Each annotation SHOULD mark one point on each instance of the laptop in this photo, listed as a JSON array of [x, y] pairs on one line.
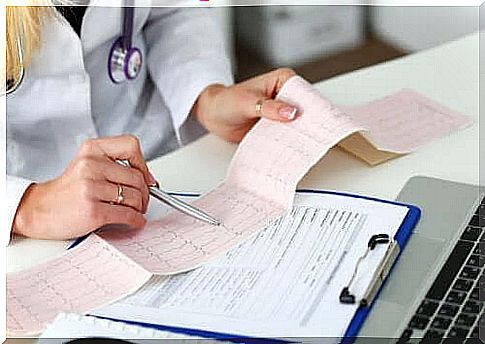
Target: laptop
[[437, 289]]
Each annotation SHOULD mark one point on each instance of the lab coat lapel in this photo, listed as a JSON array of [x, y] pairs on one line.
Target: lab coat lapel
[[39, 129]]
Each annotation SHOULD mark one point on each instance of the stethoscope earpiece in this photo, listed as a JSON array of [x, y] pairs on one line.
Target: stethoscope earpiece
[[125, 61]]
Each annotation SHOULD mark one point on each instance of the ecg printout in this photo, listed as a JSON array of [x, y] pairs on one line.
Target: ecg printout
[[259, 188], [266, 168], [78, 282], [282, 277], [404, 121]]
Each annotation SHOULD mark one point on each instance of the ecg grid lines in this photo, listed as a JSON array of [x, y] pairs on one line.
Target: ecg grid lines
[[77, 282], [255, 191], [404, 121], [285, 153], [177, 243]]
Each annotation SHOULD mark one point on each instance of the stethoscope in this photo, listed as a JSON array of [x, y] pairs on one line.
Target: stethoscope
[[124, 61]]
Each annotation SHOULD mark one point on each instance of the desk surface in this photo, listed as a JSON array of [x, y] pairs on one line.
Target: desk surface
[[448, 74]]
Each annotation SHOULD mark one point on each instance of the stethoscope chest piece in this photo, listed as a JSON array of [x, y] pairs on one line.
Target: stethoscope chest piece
[[125, 60], [124, 63]]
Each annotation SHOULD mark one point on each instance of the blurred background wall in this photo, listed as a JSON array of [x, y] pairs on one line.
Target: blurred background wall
[[320, 42]]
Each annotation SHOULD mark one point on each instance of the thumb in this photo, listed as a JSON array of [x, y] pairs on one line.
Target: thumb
[[278, 111]]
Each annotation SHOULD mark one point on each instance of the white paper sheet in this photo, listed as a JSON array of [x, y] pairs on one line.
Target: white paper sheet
[[69, 326]]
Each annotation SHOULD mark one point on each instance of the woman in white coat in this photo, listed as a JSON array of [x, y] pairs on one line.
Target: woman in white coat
[[67, 121]]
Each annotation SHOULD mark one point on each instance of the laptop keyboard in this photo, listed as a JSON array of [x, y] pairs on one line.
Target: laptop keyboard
[[454, 305]]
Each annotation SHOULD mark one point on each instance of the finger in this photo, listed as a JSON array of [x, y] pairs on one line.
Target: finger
[[128, 176], [125, 147], [276, 79], [270, 83], [277, 111], [133, 198], [118, 214]]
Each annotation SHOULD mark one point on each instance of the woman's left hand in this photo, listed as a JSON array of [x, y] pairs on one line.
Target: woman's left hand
[[230, 112]]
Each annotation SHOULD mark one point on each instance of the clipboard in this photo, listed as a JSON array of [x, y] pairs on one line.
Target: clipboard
[[401, 238], [399, 241]]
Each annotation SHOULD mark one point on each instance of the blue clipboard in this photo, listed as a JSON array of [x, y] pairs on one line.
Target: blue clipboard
[[401, 237]]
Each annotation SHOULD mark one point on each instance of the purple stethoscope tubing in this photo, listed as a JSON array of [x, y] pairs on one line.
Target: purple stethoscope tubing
[[125, 61], [129, 17]]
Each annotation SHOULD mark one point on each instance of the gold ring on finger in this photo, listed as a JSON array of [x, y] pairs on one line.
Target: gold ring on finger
[[259, 108], [120, 198]]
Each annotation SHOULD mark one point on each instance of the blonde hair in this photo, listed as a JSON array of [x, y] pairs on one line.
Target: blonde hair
[[24, 26]]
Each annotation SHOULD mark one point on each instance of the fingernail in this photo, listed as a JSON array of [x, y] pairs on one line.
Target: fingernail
[[153, 181], [154, 185], [288, 112]]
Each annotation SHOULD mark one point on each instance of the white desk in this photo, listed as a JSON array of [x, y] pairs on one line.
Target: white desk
[[448, 74]]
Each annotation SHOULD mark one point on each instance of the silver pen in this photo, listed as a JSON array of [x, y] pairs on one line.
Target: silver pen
[[175, 203], [181, 206]]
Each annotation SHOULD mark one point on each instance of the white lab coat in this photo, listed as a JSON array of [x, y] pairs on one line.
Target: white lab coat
[[67, 96]]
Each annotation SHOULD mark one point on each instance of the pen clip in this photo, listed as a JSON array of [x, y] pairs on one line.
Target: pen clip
[[123, 162], [346, 296]]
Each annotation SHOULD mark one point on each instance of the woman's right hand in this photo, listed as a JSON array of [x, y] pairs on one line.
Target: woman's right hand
[[83, 198]]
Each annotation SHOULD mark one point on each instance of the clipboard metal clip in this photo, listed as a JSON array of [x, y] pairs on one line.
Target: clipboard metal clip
[[380, 274]]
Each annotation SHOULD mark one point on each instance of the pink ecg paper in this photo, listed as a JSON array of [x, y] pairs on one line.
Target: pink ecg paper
[[404, 121], [86, 277], [259, 187]]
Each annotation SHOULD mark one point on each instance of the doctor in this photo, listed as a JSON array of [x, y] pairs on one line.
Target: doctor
[[89, 85]]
